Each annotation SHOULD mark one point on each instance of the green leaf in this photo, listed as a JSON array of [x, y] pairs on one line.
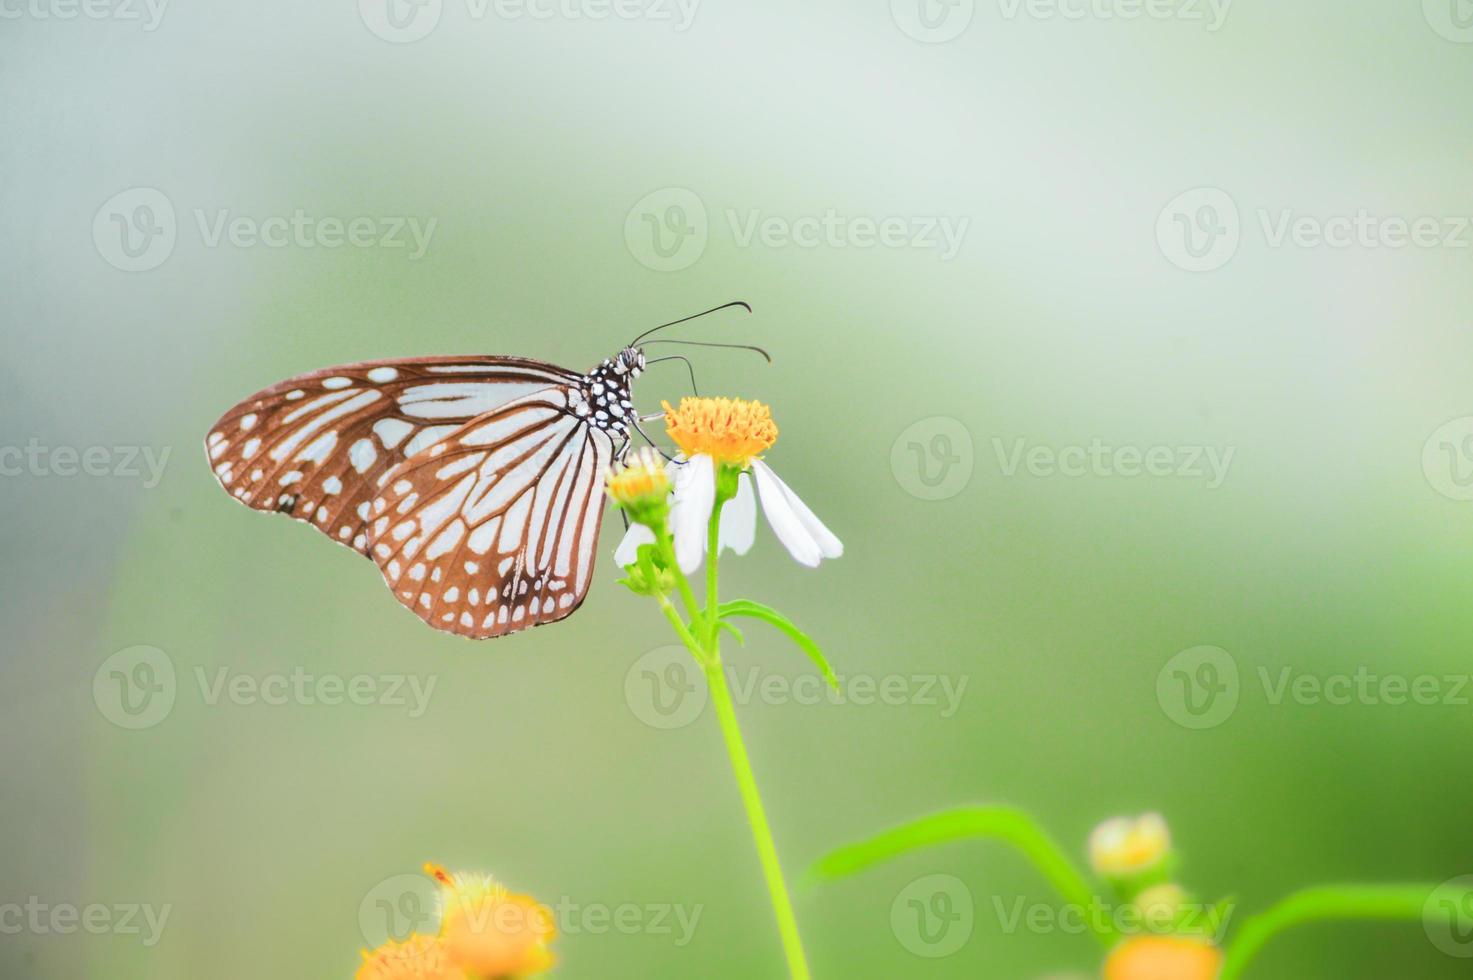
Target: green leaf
[[755, 610], [1416, 902], [997, 823], [723, 624]]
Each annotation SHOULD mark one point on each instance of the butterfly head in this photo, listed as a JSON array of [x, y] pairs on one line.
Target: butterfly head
[[629, 361]]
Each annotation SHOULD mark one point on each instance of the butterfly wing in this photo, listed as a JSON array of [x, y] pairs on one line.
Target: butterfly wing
[[319, 446], [494, 528]]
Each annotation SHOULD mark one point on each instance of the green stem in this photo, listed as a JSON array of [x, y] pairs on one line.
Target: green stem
[[702, 636], [1340, 902], [782, 904], [667, 550], [998, 823]]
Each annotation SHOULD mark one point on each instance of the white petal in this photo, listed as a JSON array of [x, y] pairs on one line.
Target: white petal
[[628, 551], [739, 518], [690, 513], [803, 534]]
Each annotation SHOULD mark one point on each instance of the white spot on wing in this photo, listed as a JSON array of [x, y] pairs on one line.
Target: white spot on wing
[[382, 374], [391, 432], [362, 454]]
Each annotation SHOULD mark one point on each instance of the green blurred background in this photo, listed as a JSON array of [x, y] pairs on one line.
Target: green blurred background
[[548, 151]]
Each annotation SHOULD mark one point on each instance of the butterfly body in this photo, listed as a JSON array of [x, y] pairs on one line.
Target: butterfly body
[[474, 483]]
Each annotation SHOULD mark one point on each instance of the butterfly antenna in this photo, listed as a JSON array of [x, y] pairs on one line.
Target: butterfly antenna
[[711, 343], [688, 367], [715, 309]]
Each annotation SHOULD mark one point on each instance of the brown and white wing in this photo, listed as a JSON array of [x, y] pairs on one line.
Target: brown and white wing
[[319, 446], [494, 528]]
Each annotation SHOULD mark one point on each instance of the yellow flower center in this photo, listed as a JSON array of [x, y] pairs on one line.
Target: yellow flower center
[[420, 957], [640, 479], [729, 430]]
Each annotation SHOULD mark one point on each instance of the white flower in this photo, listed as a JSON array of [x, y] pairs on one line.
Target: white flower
[[694, 497]]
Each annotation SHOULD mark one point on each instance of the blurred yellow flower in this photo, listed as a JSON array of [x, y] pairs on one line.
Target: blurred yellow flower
[[1125, 846], [419, 957], [489, 931], [1162, 958]]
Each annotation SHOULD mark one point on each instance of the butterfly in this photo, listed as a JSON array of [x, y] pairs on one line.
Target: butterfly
[[474, 483]]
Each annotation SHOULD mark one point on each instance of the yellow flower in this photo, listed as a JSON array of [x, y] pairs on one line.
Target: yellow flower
[[419, 957], [1124, 846], [729, 430], [640, 480], [1163, 958], [719, 440], [489, 931]]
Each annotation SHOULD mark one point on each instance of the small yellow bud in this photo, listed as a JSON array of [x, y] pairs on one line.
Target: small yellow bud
[[1124, 846]]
